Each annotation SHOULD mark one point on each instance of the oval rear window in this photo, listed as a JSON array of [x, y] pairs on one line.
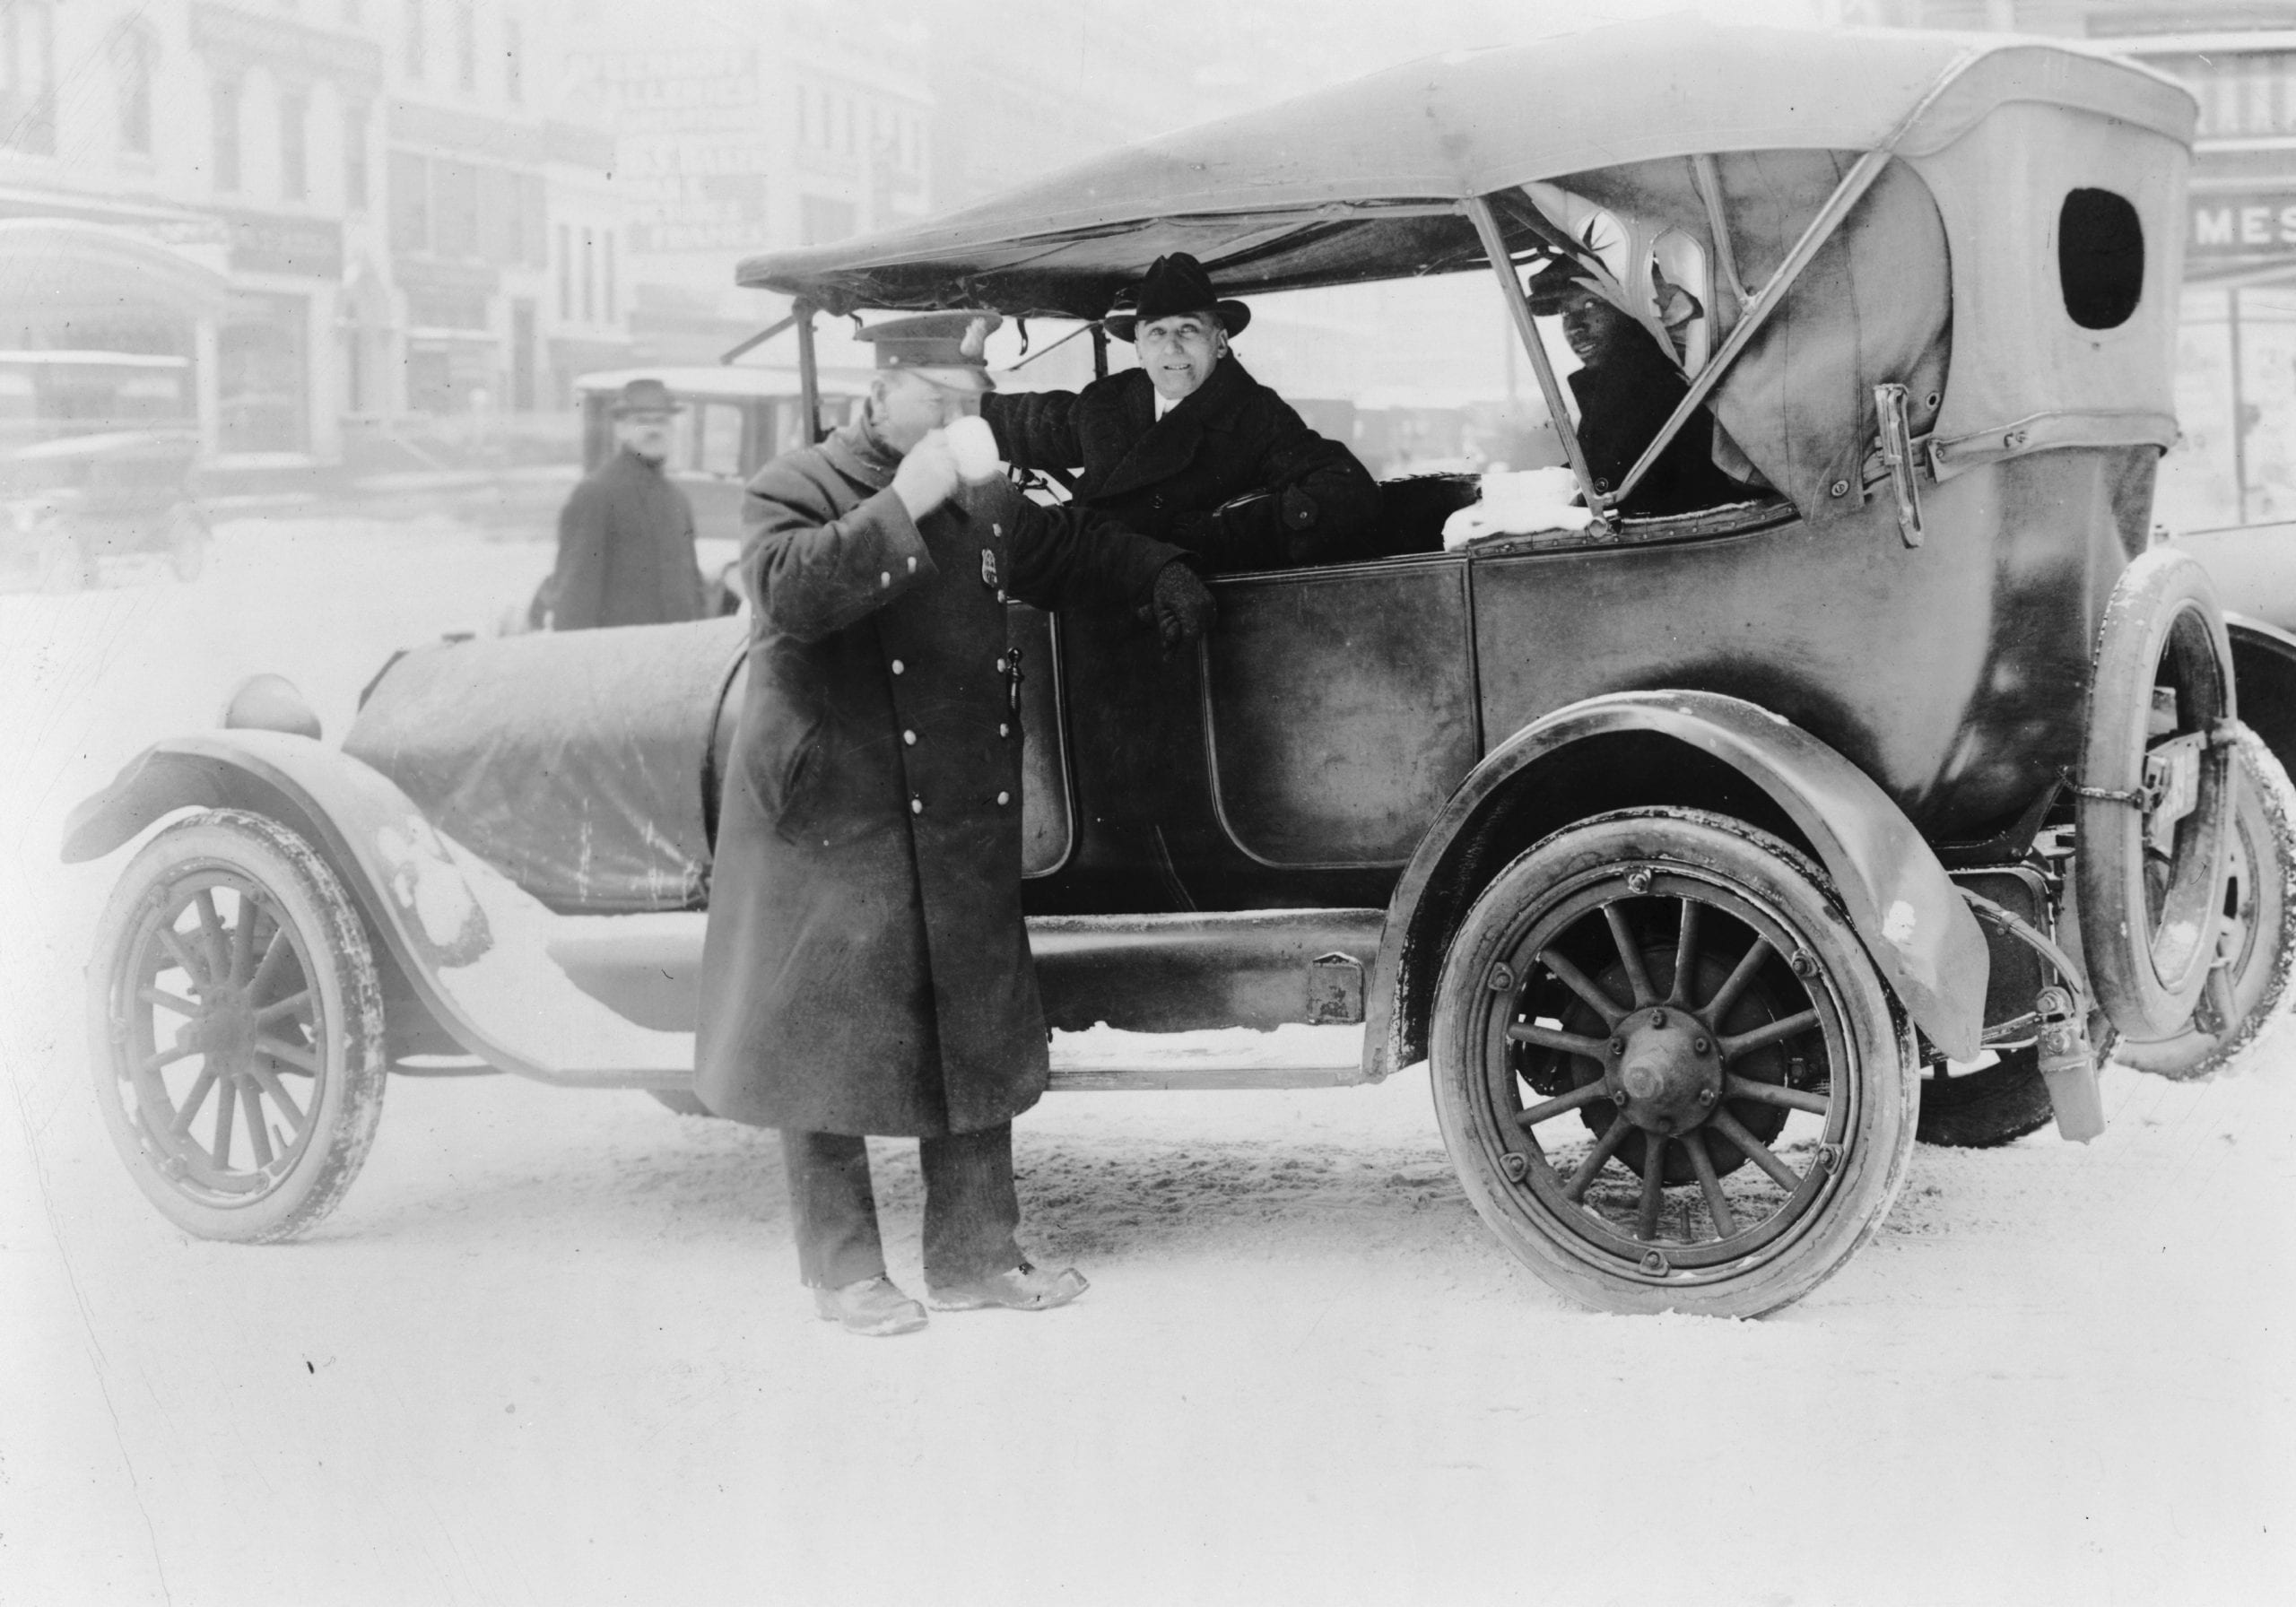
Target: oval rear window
[[2100, 258]]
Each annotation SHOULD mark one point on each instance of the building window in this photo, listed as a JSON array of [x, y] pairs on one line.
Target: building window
[[225, 98], [514, 58], [416, 45], [454, 209], [565, 274], [133, 53], [294, 148], [605, 268], [410, 202], [355, 156], [466, 45], [27, 76], [589, 276]]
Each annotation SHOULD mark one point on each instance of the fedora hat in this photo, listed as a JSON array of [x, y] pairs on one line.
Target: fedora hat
[[1172, 286], [644, 396]]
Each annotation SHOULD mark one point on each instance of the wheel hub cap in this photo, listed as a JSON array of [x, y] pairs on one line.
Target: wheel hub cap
[[1664, 1070]]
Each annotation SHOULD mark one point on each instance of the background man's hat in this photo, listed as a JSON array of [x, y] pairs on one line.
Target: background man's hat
[[1556, 282], [1173, 285], [644, 396], [950, 348]]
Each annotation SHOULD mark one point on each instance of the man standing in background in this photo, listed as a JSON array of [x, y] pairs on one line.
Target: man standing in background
[[625, 537]]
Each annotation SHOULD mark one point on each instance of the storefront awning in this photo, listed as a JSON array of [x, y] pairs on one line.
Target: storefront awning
[[58, 269]]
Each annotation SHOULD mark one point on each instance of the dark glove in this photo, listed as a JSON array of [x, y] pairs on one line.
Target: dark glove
[[1183, 606]]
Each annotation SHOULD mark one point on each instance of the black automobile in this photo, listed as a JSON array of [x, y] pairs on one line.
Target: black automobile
[[1706, 859]]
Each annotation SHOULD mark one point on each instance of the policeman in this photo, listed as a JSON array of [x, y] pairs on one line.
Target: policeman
[[866, 968]]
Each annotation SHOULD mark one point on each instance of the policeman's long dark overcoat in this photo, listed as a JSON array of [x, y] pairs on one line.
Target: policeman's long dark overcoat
[[866, 968], [1162, 477], [625, 550]]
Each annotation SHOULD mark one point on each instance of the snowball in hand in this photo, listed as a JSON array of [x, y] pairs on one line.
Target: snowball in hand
[[973, 445]]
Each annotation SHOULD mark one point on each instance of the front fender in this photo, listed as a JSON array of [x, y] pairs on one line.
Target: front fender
[[472, 946], [1914, 924]]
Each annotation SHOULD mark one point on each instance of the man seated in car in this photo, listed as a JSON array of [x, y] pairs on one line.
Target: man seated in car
[[1628, 386], [1188, 448]]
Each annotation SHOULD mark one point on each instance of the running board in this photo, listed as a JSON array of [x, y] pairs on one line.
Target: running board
[[1104, 1060]]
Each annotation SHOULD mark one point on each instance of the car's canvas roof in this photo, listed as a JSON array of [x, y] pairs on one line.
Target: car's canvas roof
[[1355, 182]]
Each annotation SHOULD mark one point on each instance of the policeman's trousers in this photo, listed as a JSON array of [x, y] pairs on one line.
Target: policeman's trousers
[[971, 1208]]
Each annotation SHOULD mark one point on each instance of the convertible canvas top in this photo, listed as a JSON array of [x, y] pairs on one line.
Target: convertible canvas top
[[1943, 271], [1355, 182]]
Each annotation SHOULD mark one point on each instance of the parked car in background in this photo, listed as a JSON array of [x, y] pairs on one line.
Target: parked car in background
[[98, 451], [1707, 859]]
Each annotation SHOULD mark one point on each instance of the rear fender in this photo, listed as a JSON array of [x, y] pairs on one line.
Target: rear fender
[[1691, 749], [440, 914]]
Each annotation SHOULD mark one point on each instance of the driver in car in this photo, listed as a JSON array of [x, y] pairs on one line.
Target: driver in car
[[1188, 448], [1627, 387]]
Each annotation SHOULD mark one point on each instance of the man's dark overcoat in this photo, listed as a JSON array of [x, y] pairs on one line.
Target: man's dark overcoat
[[866, 967], [1164, 477], [1624, 398], [625, 550]]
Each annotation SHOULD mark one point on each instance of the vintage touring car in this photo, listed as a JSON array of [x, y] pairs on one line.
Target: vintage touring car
[[1704, 857]]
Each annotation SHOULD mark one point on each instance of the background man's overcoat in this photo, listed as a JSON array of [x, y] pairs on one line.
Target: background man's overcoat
[[1163, 477], [625, 550], [866, 968]]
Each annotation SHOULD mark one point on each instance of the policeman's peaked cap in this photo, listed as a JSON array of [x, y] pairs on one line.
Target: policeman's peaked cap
[[948, 348]]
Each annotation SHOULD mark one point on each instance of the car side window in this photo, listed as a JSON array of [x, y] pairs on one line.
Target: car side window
[[717, 450]]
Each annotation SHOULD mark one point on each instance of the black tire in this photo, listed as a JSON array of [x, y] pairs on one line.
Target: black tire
[[1531, 1050], [2148, 917], [679, 1100], [1985, 1106], [2260, 900], [230, 957]]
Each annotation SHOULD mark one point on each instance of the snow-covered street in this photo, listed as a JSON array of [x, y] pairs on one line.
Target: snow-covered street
[[552, 1349]]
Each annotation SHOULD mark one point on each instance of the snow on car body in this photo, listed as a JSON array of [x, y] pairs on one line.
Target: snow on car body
[[1659, 838]]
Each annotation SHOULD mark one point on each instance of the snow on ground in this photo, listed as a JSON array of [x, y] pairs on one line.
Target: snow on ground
[[551, 1350]]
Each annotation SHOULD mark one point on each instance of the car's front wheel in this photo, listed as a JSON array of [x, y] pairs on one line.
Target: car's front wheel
[[1667, 1071], [236, 1028]]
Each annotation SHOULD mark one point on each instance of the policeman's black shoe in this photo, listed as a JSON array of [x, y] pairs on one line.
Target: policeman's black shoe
[[1023, 1288], [874, 1307]]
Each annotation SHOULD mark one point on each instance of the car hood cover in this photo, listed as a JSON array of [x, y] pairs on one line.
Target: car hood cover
[[574, 762]]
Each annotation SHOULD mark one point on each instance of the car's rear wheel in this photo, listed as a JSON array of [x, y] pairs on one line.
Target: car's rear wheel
[[1667, 1070], [2259, 932], [237, 1029], [1984, 1105]]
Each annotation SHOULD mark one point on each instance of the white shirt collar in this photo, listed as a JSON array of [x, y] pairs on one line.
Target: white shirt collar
[[1164, 403]]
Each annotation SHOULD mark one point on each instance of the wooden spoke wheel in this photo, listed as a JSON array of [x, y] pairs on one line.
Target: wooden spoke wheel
[[2257, 939], [237, 1029], [1667, 1071]]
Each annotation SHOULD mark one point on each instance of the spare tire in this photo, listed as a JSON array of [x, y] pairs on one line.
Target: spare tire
[[2260, 908], [2155, 795]]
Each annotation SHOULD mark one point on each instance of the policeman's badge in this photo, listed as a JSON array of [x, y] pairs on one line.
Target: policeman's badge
[[988, 566]]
